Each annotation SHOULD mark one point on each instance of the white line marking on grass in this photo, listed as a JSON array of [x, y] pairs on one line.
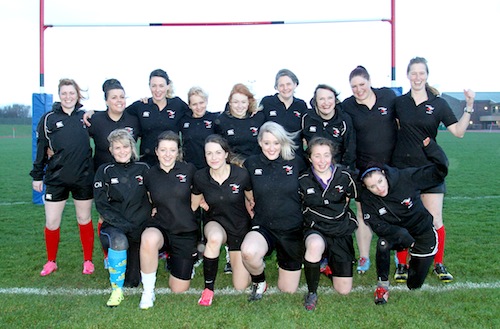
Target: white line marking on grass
[[231, 291], [482, 197]]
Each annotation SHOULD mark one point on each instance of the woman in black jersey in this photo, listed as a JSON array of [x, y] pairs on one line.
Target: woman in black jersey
[[196, 126], [103, 123], [122, 201], [115, 117], [69, 169], [329, 121], [419, 113], [373, 118], [277, 223], [329, 223], [173, 228], [225, 188], [392, 206], [239, 124], [284, 108]]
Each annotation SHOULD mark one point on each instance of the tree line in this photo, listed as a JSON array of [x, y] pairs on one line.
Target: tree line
[[15, 111]]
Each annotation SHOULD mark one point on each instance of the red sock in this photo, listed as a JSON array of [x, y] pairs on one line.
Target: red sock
[[402, 256], [52, 238], [87, 239], [441, 239], [104, 251]]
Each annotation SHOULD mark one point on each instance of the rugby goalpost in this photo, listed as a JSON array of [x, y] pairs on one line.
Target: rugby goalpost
[[42, 102]]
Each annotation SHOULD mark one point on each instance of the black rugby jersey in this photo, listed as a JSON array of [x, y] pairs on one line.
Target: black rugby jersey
[[67, 136], [375, 128], [102, 126]]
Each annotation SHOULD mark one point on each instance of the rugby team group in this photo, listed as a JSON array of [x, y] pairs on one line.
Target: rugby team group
[[277, 175]]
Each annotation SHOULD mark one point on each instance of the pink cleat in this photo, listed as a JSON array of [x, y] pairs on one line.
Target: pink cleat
[[48, 268], [88, 267]]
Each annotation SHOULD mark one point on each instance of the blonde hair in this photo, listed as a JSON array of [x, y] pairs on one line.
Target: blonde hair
[[284, 138], [125, 137]]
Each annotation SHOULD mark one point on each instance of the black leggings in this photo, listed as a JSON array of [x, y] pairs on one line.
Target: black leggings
[[114, 238], [418, 266]]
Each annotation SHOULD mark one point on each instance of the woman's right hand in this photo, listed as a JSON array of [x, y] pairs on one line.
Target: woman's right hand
[[37, 185], [86, 117]]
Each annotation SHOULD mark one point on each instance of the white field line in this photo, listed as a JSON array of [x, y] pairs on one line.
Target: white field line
[[231, 291], [481, 197]]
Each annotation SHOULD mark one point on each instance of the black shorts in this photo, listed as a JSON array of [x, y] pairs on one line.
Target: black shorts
[[289, 246], [234, 242], [182, 251], [54, 193], [425, 244], [339, 252], [441, 188]]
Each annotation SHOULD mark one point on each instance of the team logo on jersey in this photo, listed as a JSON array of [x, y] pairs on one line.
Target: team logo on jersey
[[382, 211], [297, 114], [98, 184], [59, 124], [145, 114], [429, 109], [114, 180], [182, 178], [273, 113], [235, 188], [310, 190], [312, 129], [208, 124], [230, 132], [254, 131], [339, 188], [257, 172], [408, 203], [139, 179], [288, 169], [383, 110], [335, 132], [366, 216], [186, 125], [171, 114]]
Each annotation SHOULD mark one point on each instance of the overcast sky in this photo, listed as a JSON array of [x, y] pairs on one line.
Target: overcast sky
[[459, 41]]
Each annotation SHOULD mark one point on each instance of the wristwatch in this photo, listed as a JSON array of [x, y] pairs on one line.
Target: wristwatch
[[468, 111]]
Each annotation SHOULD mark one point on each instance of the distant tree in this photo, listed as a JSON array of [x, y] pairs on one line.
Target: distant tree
[[15, 111]]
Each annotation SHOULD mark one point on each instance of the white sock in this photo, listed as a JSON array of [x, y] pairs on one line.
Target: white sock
[[148, 281], [227, 254]]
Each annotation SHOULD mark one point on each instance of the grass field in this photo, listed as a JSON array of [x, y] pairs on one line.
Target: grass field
[[68, 299]]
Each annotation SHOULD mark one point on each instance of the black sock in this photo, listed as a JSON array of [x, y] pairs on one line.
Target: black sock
[[311, 271], [210, 266], [258, 278]]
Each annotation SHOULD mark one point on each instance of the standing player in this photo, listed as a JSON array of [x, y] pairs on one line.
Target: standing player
[[225, 188], [420, 112], [329, 222], [69, 169], [277, 223], [392, 206], [122, 201], [241, 122], [284, 108], [373, 118], [326, 120], [173, 228]]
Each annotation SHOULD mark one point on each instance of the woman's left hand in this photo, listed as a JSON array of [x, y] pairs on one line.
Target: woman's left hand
[[470, 95]]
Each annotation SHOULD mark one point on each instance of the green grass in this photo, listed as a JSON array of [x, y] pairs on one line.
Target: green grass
[[68, 299]]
